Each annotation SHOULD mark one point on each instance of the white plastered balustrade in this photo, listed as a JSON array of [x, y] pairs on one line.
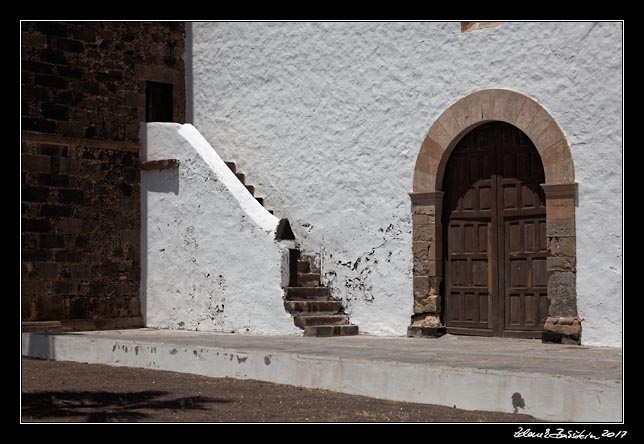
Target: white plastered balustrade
[[210, 260]]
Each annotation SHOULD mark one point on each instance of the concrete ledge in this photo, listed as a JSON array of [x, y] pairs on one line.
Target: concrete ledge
[[41, 326], [575, 384], [66, 325]]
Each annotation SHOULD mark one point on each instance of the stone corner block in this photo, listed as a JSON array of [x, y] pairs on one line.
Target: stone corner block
[[427, 304], [558, 329], [426, 320]]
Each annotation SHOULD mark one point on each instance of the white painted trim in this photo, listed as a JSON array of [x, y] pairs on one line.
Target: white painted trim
[[257, 213]]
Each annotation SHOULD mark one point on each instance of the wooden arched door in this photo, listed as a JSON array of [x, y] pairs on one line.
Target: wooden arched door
[[494, 218]]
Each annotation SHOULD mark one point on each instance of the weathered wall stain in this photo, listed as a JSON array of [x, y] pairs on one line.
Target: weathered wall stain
[[352, 281]]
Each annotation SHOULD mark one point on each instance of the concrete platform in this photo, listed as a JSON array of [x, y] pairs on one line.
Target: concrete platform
[[562, 383]]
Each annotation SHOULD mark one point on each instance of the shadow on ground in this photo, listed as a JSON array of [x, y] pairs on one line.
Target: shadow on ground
[[105, 406]]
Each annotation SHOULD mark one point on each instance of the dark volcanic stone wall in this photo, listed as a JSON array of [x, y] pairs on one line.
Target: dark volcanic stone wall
[[87, 79], [83, 99]]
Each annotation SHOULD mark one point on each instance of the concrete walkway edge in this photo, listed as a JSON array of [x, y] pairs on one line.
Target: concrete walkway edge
[[560, 398]]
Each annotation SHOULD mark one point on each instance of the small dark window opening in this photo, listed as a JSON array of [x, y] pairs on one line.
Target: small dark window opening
[[158, 102]]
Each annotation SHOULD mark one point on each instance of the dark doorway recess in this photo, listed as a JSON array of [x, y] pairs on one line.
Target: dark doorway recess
[[158, 102], [494, 223]]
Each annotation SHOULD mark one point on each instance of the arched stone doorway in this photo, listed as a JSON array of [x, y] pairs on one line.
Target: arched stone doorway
[[427, 196]]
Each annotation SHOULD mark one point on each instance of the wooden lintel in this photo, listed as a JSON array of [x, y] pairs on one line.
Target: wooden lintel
[[163, 164]]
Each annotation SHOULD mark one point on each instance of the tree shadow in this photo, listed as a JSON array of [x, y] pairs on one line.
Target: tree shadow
[[105, 406]]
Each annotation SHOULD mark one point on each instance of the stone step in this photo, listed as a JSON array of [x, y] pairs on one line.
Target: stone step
[[310, 320], [331, 330], [303, 266], [251, 189], [307, 294], [260, 200], [232, 166], [317, 307], [241, 177], [308, 279], [313, 268]]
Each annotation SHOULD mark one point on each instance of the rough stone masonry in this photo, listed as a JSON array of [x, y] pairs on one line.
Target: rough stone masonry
[[83, 99]]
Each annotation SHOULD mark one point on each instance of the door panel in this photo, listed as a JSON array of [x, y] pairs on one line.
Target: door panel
[[524, 252], [494, 221], [471, 244], [469, 274], [525, 271]]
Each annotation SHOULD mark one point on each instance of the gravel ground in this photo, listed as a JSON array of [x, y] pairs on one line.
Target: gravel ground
[[58, 391]]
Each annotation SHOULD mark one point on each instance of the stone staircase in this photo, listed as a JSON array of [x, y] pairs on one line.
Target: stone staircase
[[242, 179], [311, 305], [306, 299]]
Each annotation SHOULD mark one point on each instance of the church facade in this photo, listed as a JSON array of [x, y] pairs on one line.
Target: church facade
[[438, 177]]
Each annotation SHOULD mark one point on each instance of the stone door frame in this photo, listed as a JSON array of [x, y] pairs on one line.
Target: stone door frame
[[526, 114]]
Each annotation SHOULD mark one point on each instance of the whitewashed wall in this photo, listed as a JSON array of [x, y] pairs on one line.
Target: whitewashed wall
[[209, 258], [326, 119]]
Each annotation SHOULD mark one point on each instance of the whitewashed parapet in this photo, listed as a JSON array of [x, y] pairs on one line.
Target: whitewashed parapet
[[210, 258]]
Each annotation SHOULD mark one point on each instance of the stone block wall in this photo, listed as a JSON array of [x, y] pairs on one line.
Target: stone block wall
[[83, 99], [427, 254], [87, 79], [80, 232]]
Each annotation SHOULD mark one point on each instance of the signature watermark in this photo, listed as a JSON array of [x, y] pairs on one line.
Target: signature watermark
[[568, 434]]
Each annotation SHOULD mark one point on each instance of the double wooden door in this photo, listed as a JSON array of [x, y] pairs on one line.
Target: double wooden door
[[494, 220]]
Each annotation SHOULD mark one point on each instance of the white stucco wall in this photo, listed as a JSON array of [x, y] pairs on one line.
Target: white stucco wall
[[209, 258], [326, 119]]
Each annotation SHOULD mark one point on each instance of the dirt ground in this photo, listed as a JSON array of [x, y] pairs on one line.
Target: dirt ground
[[55, 391]]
